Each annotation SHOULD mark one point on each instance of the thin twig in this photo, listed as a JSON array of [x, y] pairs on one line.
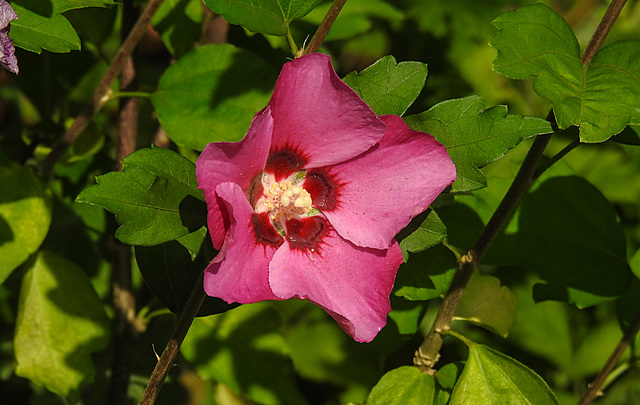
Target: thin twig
[[323, 29], [99, 96], [173, 346], [124, 304], [428, 353], [627, 339], [602, 31]]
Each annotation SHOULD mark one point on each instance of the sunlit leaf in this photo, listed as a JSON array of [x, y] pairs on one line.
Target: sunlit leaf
[[487, 303], [389, 87], [25, 216], [267, 16], [211, 94], [61, 322], [601, 97], [403, 386], [492, 377], [155, 198], [475, 136], [322, 352], [241, 349]]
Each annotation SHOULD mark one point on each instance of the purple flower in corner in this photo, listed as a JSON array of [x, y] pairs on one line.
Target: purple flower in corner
[[8, 58], [307, 205]]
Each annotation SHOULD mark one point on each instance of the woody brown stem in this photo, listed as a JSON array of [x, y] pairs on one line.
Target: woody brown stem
[[100, 95], [323, 29]]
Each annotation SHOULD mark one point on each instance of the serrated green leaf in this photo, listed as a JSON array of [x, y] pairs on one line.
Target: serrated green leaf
[[426, 275], [211, 94], [41, 25], [492, 377], [25, 216], [171, 269], [241, 349], [475, 137], [601, 97], [33, 32], [389, 87], [155, 198], [488, 304], [267, 16], [431, 232], [403, 386], [60, 323]]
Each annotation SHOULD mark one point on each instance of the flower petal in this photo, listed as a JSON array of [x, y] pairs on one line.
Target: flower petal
[[318, 116], [8, 58], [352, 284], [381, 190], [239, 273], [235, 162]]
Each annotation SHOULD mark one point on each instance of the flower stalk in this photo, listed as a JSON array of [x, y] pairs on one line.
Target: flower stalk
[[323, 29]]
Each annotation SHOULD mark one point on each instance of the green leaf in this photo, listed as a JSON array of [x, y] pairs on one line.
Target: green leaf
[[33, 32], [426, 275], [41, 25], [601, 98], [389, 87], [267, 16], [155, 198], [571, 222], [322, 352], [446, 378], [178, 23], [403, 386], [241, 349], [172, 269], [488, 304], [25, 216], [475, 136], [402, 325], [211, 94], [60, 323], [491, 377], [431, 232], [537, 324]]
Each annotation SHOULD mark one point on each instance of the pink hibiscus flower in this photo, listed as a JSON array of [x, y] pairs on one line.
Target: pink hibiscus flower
[[308, 203]]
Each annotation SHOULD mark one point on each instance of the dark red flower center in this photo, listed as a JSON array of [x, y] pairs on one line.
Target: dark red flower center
[[306, 233], [288, 201], [284, 162]]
